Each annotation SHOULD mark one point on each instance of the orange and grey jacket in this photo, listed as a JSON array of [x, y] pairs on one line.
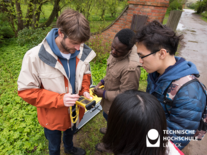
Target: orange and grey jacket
[[43, 82]]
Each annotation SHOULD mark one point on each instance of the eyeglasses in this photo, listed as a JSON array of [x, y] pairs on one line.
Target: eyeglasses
[[148, 54]]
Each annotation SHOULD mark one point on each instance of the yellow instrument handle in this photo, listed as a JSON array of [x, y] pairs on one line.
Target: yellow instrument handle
[[102, 86], [77, 114]]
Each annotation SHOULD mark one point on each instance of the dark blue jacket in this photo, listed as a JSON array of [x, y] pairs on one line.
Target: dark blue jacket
[[188, 104]]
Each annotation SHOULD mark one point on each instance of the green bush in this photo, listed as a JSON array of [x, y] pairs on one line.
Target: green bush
[[192, 5], [204, 14], [101, 47], [201, 6], [31, 37], [5, 29], [99, 63], [175, 5]]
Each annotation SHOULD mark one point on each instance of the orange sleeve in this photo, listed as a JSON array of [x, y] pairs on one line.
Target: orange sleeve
[[42, 98], [85, 83]]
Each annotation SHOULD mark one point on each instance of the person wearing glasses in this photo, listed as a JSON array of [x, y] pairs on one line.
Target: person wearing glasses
[[122, 73], [54, 74], [156, 47]]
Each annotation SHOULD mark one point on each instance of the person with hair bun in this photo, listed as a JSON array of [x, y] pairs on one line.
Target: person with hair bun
[[156, 47], [132, 116]]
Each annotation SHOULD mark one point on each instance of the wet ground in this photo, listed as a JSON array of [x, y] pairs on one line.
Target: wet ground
[[194, 48]]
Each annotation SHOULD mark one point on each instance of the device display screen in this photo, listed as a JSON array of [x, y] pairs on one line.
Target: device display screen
[[85, 101]]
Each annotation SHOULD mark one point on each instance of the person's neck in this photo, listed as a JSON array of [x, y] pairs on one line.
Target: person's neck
[[168, 61], [57, 41]]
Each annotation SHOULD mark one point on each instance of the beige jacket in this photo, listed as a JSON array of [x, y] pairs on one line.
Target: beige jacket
[[43, 82], [122, 74]]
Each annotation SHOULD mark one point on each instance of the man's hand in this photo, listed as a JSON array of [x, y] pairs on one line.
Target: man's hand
[[69, 100], [98, 92], [87, 95], [98, 85]]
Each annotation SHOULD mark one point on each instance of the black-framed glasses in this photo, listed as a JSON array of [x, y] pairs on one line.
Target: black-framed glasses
[[148, 54]]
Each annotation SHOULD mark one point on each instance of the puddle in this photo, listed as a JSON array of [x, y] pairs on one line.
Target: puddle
[[180, 27], [191, 30], [189, 11], [192, 41]]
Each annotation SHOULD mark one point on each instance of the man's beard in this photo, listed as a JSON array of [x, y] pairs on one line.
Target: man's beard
[[69, 50]]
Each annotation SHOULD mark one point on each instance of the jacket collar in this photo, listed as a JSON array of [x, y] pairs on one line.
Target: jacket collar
[[47, 56], [157, 87]]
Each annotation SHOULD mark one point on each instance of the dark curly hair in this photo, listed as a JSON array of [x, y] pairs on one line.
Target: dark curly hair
[[126, 37], [156, 36]]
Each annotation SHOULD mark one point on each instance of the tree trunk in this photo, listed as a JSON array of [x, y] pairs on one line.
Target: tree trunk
[[37, 15], [206, 7], [34, 20], [29, 14], [87, 14], [52, 15], [11, 18], [19, 15], [57, 12], [3, 7]]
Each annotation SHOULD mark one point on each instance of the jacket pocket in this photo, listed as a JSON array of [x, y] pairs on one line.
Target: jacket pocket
[[49, 75], [58, 118], [53, 82], [113, 80]]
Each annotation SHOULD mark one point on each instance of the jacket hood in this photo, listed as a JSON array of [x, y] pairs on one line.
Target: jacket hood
[[51, 41], [180, 69]]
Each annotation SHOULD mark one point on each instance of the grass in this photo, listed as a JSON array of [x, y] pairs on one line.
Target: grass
[[165, 19], [204, 19], [97, 26], [143, 85], [89, 135]]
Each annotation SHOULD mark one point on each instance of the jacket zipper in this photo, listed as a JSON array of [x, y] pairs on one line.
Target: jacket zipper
[[68, 70], [68, 83]]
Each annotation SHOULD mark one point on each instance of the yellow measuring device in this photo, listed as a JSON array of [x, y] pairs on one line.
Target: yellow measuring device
[[84, 102], [88, 104]]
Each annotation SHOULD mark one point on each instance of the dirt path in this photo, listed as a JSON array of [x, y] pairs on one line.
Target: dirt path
[[194, 49]]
